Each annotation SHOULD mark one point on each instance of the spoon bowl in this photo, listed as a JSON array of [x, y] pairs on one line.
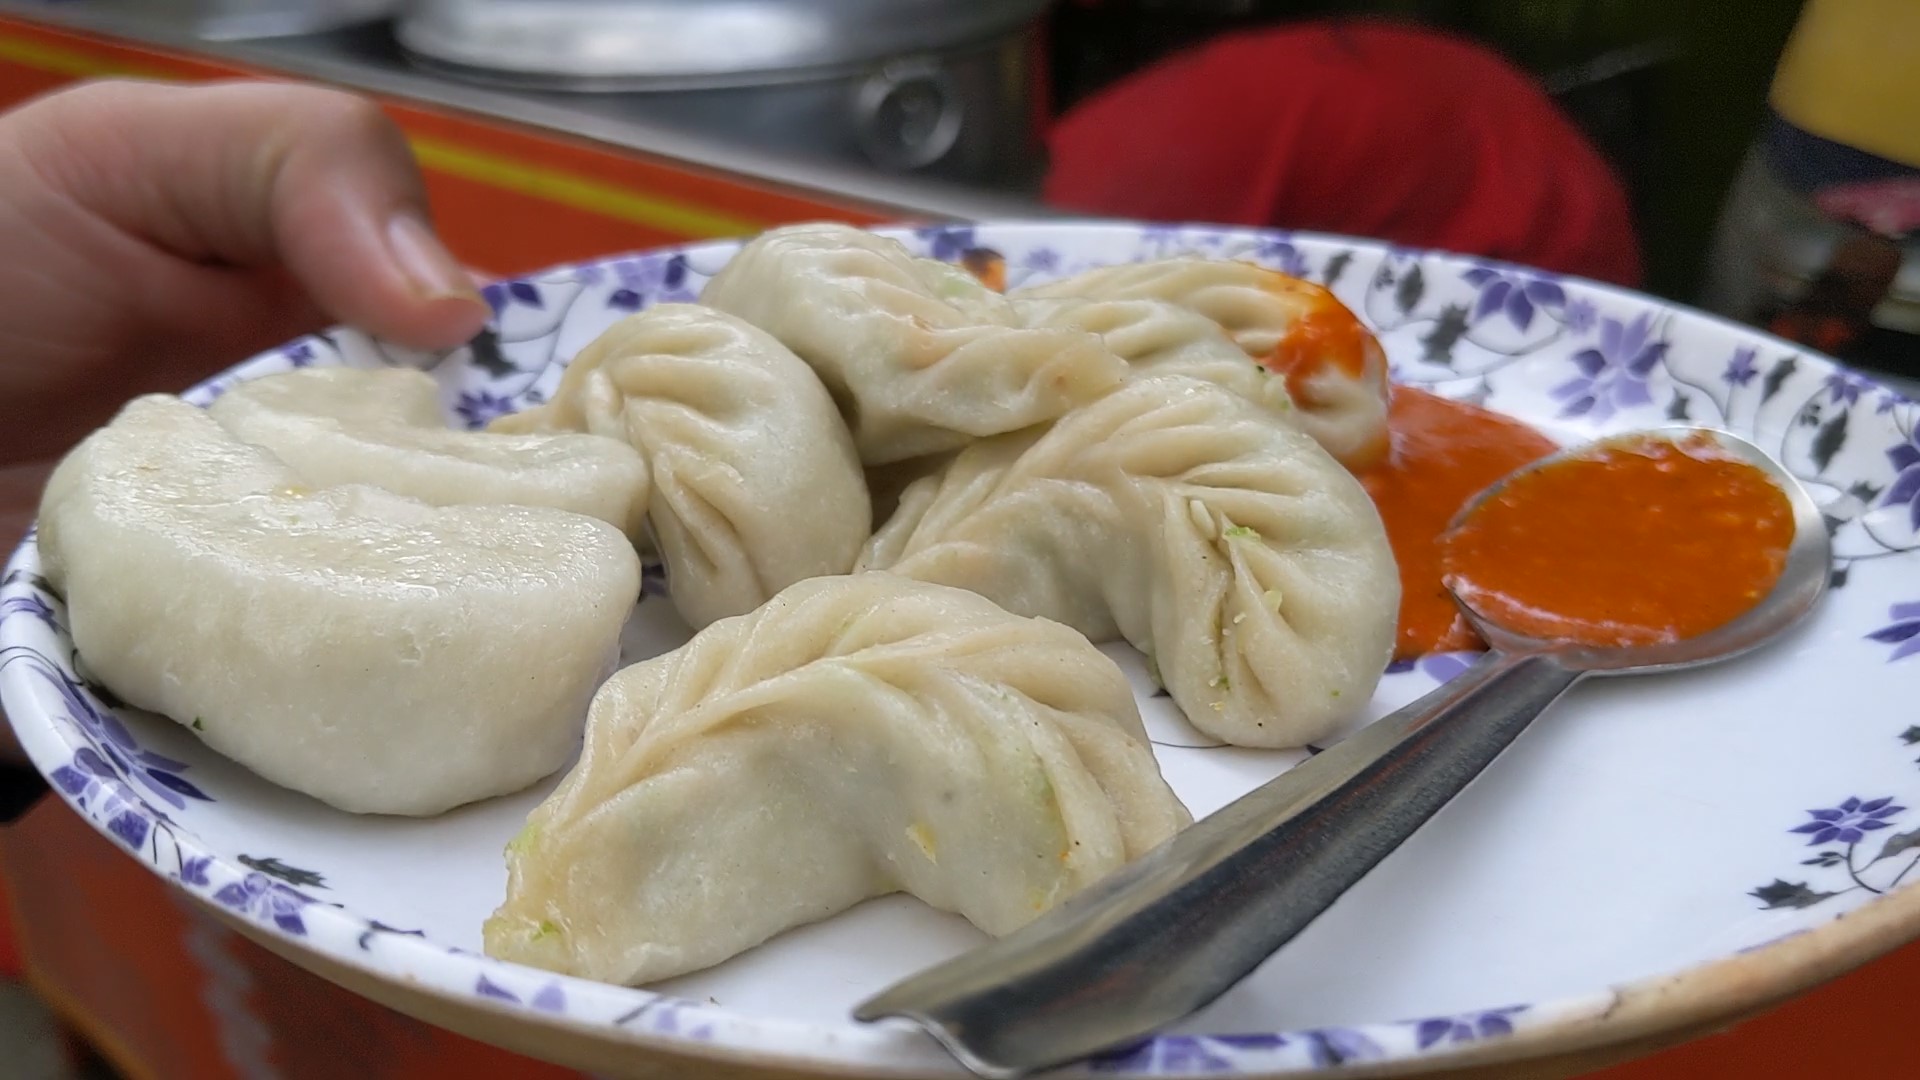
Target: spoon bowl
[[1167, 934], [1803, 578]]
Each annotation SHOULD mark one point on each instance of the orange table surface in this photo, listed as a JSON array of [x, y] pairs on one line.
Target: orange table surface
[[169, 994]]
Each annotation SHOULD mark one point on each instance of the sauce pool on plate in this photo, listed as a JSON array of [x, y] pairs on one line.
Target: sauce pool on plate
[[1443, 453], [1637, 541]]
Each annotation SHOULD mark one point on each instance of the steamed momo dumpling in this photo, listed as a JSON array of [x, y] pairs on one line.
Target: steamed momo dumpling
[[1226, 545], [370, 650], [1334, 367], [341, 425], [755, 481], [1158, 338], [919, 354], [857, 736]]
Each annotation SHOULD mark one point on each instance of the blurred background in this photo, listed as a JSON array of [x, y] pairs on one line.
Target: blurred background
[[1760, 158], [963, 107]]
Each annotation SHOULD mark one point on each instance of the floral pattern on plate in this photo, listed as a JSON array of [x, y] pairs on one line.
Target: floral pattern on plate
[[1578, 358]]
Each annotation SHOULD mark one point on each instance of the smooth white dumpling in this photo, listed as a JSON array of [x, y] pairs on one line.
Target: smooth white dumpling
[[1335, 369], [856, 736], [383, 426], [756, 484], [370, 650], [920, 356], [1247, 564]]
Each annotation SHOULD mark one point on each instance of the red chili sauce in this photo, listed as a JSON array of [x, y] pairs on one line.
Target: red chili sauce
[[1326, 333], [1443, 454], [1636, 542]]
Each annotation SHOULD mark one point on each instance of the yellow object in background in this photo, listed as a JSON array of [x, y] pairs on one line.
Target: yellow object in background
[[1851, 73]]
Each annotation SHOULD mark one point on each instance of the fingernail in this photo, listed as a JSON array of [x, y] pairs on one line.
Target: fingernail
[[428, 265]]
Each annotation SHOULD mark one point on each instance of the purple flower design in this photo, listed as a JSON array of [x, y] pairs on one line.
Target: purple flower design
[[1251, 1042], [32, 604], [1616, 374], [114, 757], [261, 897], [477, 407], [131, 826], [1465, 1028], [194, 871], [1741, 370], [1579, 315], [947, 242], [661, 277], [549, 998], [1182, 1053], [1160, 236], [1850, 822], [502, 294], [1168, 1053], [1903, 631], [1042, 260], [95, 786], [1447, 666], [1844, 387], [1889, 400], [1905, 489], [1280, 254], [1213, 1053], [82, 777], [662, 1014], [1339, 1046], [1518, 294], [299, 354]]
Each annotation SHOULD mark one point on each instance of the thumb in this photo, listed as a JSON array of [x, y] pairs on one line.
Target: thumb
[[265, 176]]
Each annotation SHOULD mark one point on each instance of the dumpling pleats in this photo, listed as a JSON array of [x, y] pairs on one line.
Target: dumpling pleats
[[920, 356], [755, 481], [1334, 367], [383, 426], [856, 736], [1243, 560]]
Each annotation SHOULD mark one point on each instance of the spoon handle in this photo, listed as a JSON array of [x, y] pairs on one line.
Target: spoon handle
[[1172, 931]]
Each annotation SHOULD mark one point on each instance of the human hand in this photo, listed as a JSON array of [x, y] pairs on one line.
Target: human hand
[[151, 235]]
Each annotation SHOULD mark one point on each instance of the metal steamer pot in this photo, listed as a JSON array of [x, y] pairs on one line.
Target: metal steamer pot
[[935, 87]]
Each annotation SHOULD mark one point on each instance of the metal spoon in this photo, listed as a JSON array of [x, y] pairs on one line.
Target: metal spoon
[[1172, 931]]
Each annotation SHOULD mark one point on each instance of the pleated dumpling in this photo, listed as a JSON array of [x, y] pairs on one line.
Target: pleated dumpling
[[755, 481], [1225, 544], [920, 356], [367, 649], [1335, 369], [1155, 337], [383, 426], [855, 737]]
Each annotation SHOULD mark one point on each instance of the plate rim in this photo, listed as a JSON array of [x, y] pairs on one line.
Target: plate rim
[[1669, 1001]]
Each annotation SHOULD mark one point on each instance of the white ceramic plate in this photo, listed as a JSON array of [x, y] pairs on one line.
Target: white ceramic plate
[[1659, 852]]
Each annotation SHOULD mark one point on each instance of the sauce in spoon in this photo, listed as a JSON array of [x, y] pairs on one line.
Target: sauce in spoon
[[1637, 541]]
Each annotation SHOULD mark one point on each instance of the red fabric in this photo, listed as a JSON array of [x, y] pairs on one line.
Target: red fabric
[[1366, 128]]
